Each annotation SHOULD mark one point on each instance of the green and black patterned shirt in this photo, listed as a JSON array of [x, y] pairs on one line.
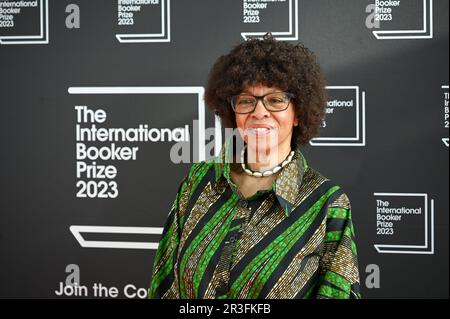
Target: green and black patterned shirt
[[295, 240]]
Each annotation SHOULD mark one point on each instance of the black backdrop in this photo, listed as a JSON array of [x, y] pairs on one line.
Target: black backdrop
[[385, 140]]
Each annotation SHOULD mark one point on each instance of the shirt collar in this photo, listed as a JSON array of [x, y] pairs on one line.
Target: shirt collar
[[287, 184]]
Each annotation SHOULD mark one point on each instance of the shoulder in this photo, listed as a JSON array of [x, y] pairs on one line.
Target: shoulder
[[191, 175], [196, 170], [334, 193], [196, 173], [190, 181]]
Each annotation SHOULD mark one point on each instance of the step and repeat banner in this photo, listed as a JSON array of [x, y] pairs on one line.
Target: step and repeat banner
[[95, 94]]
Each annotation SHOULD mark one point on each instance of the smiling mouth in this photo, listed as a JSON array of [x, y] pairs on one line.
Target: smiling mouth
[[260, 130]]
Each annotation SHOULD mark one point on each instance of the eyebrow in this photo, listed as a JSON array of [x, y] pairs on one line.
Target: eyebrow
[[275, 90]]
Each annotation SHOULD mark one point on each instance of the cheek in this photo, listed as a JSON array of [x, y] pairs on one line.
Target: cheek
[[286, 122], [240, 121]]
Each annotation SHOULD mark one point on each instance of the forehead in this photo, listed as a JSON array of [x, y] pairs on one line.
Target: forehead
[[259, 89]]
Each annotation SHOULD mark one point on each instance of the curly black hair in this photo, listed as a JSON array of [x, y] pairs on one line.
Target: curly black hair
[[289, 67]]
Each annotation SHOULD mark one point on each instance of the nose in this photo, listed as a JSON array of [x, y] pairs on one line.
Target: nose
[[260, 111]]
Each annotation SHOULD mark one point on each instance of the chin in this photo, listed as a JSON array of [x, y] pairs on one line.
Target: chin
[[261, 144]]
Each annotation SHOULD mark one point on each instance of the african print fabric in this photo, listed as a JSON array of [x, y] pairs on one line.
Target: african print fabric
[[295, 240]]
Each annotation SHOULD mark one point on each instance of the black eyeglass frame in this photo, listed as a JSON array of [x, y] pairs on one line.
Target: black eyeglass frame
[[258, 98]]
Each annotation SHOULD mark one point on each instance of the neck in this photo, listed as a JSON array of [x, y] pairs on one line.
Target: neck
[[265, 159]]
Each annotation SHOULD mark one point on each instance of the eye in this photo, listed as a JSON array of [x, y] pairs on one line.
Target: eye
[[245, 101], [276, 100]]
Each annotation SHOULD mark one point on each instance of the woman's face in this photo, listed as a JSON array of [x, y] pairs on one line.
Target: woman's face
[[263, 130]]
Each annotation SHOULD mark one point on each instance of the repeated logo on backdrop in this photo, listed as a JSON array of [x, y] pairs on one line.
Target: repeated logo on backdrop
[[95, 179], [136, 21], [24, 22], [280, 17], [446, 113], [345, 123], [404, 223], [400, 19], [116, 152]]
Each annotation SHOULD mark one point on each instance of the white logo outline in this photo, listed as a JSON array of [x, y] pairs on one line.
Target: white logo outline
[[76, 230], [163, 36], [291, 35], [445, 140], [411, 34], [360, 123], [42, 38], [412, 249]]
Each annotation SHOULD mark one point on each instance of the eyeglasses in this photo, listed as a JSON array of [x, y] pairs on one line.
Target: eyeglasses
[[273, 102]]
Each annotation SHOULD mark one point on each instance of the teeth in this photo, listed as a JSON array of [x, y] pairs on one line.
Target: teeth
[[260, 129]]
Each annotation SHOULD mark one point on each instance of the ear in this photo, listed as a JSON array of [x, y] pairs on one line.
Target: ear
[[295, 121]]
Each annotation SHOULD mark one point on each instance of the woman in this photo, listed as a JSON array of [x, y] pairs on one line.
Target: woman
[[260, 222]]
